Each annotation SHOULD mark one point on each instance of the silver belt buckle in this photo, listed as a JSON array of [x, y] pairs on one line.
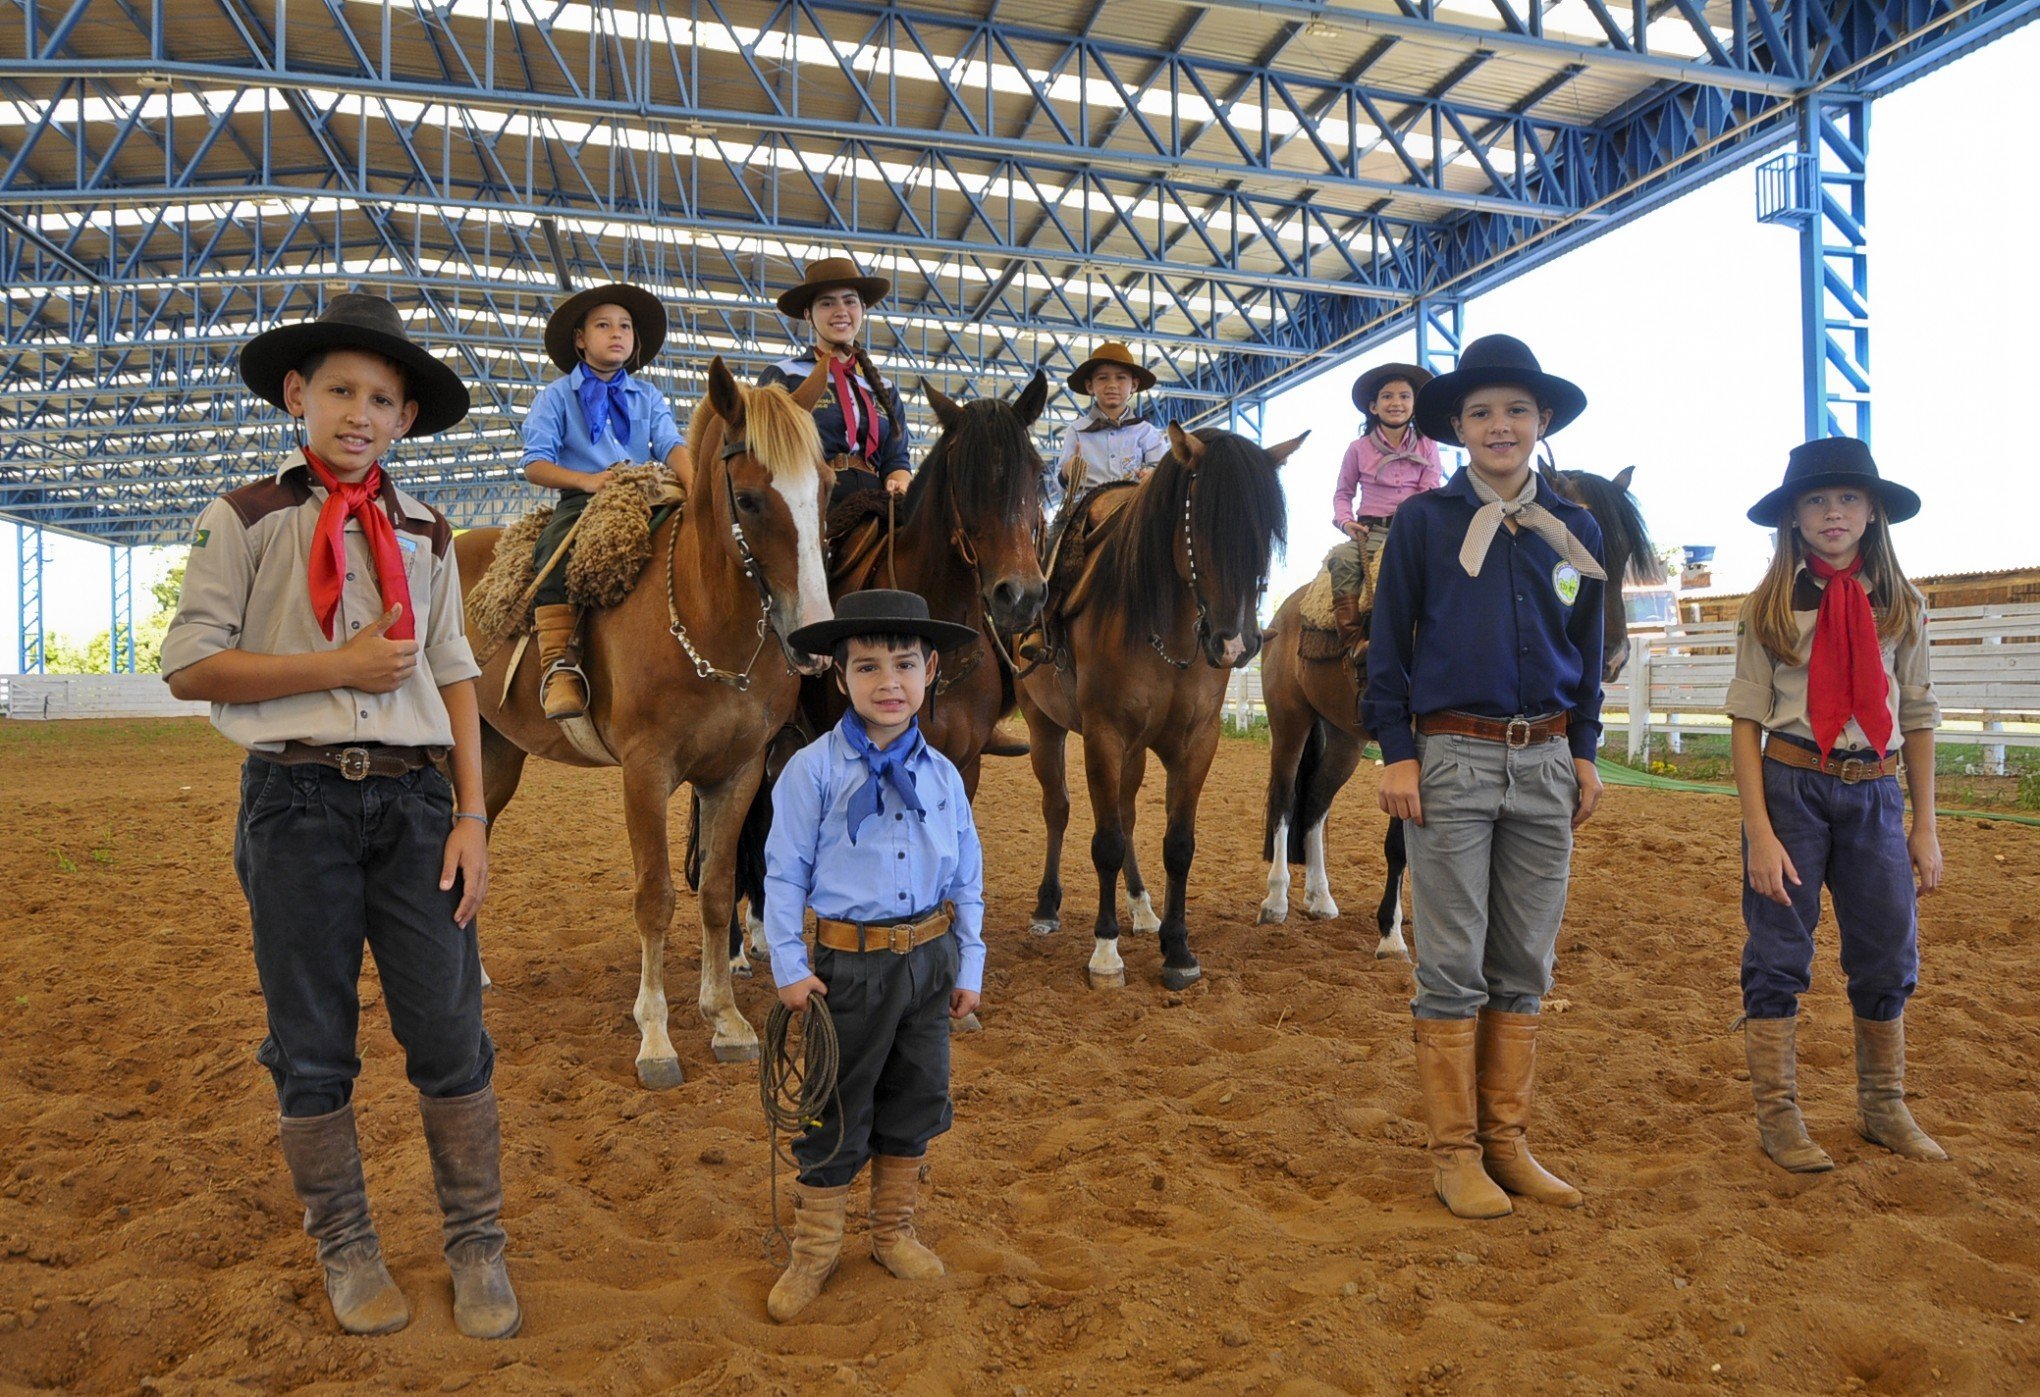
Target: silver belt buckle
[[354, 763], [1853, 770], [1509, 733]]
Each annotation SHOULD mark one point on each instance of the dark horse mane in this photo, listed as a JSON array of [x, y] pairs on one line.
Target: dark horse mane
[[973, 473], [1624, 534], [1236, 511]]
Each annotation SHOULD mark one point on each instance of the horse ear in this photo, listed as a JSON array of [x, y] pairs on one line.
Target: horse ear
[[1033, 398], [946, 410], [810, 391], [1188, 448], [1286, 449], [1622, 478], [724, 396]]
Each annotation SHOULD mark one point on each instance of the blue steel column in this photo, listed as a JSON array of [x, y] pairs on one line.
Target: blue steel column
[[1834, 268], [28, 597], [1441, 331], [1246, 418], [120, 634]]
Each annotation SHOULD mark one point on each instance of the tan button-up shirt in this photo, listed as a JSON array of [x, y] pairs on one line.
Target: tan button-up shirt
[[1775, 695], [246, 588]]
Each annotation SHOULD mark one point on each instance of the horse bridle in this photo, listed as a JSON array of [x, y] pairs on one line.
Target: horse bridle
[[740, 680], [1196, 595]]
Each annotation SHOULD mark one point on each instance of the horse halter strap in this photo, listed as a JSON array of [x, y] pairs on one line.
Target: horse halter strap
[[740, 680], [1196, 592]]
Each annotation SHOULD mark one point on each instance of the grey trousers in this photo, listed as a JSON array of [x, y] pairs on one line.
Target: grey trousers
[[1488, 873], [1355, 564]]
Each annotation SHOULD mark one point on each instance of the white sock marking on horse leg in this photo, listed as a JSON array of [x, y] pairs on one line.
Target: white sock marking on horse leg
[[1141, 914], [1105, 956], [1317, 884], [1275, 906], [1392, 945]]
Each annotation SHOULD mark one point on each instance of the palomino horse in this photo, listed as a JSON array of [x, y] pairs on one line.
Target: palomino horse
[[682, 687], [1316, 736], [1163, 610]]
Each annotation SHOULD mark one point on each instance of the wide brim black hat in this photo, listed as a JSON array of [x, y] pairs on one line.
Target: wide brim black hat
[[1491, 361], [647, 320], [1827, 461], [880, 611], [370, 324], [1367, 387]]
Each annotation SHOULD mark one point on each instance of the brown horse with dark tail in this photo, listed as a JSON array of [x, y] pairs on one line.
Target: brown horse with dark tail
[[688, 685], [1164, 610]]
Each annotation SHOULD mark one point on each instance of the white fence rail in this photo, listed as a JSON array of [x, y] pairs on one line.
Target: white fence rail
[[48, 696]]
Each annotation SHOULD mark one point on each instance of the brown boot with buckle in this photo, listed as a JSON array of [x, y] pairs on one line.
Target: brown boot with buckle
[[1882, 1117], [1774, 1083], [466, 1140], [324, 1156], [817, 1244], [562, 686], [1506, 1054], [1446, 1078], [895, 1189], [1352, 629]]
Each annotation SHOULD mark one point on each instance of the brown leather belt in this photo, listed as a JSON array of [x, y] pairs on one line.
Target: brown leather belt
[[897, 937], [1848, 771], [1512, 732], [1372, 521], [357, 763]]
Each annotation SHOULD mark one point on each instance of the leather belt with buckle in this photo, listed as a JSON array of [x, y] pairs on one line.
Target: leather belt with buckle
[[1517, 733], [1848, 770], [357, 763], [896, 937]]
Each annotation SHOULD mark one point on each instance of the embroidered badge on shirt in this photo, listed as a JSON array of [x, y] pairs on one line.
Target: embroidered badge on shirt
[[200, 539], [1565, 580]]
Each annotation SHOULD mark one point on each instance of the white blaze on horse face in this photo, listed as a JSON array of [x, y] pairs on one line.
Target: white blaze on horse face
[[1234, 648], [801, 489]]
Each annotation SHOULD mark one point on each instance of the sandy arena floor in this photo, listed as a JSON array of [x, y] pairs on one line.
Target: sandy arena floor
[[1221, 1191]]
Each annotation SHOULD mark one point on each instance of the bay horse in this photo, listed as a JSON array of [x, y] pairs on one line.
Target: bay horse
[[1316, 736], [682, 686], [1163, 611]]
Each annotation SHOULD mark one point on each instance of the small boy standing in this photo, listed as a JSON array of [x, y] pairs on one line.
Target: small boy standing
[[321, 617], [872, 829], [579, 428]]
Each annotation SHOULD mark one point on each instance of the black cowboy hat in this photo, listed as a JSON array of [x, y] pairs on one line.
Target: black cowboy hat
[[1368, 386], [1111, 352], [647, 320], [880, 611], [1833, 461], [368, 323], [1488, 361], [828, 274]]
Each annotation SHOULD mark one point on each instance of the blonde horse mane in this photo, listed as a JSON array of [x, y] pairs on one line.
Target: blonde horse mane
[[779, 432]]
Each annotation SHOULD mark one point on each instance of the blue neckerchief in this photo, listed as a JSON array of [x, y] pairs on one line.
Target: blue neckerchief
[[886, 765], [604, 399]]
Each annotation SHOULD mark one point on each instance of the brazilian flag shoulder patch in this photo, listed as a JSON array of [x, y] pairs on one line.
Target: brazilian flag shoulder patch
[[201, 538]]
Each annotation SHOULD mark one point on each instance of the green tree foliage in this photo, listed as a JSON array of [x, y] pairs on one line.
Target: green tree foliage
[[65, 655]]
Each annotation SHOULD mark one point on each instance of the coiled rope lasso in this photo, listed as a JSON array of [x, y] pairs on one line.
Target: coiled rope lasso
[[797, 1084]]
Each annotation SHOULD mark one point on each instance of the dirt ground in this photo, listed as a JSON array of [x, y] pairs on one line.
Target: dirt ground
[[1220, 1191]]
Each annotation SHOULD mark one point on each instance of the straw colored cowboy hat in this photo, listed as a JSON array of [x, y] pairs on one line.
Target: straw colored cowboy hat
[[1111, 352], [1367, 387], [827, 274], [1833, 461], [1489, 361], [368, 323], [647, 319]]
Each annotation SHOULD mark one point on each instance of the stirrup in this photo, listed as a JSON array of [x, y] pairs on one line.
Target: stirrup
[[558, 668]]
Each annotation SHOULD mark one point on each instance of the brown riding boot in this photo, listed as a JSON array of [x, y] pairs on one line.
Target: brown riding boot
[[1774, 1082], [1506, 1052], [324, 1156], [1446, 1078], [817, 1244], [1352, 631], [466, 1141], [895, 1189], [562, 687], [1882, 1117]]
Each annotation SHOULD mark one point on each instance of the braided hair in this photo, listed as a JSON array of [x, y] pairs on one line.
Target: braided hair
[[880, 390]]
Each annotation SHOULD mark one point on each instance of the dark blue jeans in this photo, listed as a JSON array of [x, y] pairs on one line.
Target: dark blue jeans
[[329, 864], [1852, 840]]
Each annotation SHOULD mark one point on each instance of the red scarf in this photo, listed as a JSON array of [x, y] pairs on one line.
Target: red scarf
[[847, 399], [327, 567], [1845, 677]]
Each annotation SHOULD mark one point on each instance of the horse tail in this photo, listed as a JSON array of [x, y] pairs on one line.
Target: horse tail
[[1314, 792], [1294, 804], [693, 841]]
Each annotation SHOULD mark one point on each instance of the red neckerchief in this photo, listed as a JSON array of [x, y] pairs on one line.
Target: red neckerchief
[[1845, 677], [848, 399], [328, 564]]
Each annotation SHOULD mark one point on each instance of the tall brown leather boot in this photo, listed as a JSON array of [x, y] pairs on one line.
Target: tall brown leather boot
[[466, 1140], [562, 687], [1346, 616], [1445, 1076], [895, 1189], [324, 1156], [1774, 1082], [817, 1245], [1507, 1056], [1882, 1117]]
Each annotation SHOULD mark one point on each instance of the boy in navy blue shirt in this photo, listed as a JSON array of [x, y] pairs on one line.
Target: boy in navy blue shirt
[[872, 829], [1484, 690]]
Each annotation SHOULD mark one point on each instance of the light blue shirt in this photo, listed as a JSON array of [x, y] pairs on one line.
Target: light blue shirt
[[899, 866], [556, 430], [1095, 451]]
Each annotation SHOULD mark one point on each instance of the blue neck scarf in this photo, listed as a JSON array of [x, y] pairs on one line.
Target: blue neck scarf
[[604, 401], [886, 765]]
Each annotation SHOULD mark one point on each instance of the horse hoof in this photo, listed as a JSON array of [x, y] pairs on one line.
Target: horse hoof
[[1181, 978], [736, 1052], [1108, 979], [1390, 953], [660, 1073], [1269, 917], [967, 1024], [1045, 926], [1321, 914], [741, 969]]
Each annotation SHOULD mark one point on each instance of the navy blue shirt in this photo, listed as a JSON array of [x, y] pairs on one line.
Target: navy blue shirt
[[892, 446], [1522, 639]]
